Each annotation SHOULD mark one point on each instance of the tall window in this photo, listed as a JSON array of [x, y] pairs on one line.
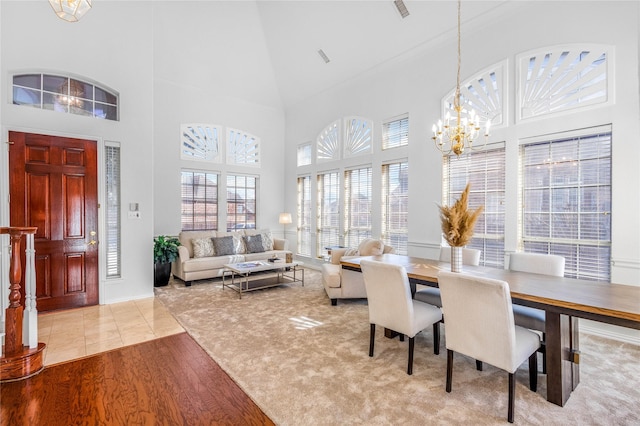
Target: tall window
[[112, 191], [241, 202], [65, 94], [304, 215], [566, 202], [395, 133], [357, 204], [485, 171], [328, 222], [395, 201], [199, 200]]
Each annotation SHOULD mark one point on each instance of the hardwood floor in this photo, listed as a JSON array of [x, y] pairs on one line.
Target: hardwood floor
[[169, 381]]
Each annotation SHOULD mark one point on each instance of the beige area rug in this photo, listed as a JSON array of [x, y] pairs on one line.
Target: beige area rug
[[305, 362]]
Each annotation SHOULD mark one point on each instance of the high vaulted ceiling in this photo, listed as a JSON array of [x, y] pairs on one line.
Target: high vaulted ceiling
[[356, 36]]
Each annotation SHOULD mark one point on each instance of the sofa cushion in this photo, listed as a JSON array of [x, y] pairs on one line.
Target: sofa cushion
[[223, 246], [253, 243], [202, 247], [370, 247], [210, 263]]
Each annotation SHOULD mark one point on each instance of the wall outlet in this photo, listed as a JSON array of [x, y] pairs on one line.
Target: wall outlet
[[134, 215]]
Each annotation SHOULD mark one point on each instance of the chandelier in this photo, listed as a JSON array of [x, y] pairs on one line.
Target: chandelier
[[454, 134], [70, 10]]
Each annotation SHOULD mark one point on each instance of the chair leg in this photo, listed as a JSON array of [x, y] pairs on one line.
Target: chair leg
[[512, 392], [372, 336], [533, 371], [436, 338], [478, 365], [449, 369], [410, 362], [543, 351]]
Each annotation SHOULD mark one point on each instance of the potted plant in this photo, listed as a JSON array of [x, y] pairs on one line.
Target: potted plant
[[457, 226], [165, 251]]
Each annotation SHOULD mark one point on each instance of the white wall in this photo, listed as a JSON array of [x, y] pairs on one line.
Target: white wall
[[416, 84], [205, 64]]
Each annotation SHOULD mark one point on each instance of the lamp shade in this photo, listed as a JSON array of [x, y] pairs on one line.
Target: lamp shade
[[70, 10], [285, 218]]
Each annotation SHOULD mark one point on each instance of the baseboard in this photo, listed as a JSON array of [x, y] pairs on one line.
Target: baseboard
[[621, 334]]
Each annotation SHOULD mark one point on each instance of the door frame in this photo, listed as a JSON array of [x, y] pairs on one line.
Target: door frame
[[4, 208]]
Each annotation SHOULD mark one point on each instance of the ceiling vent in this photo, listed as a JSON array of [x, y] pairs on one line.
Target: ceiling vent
[[402, 8], [324, 56]]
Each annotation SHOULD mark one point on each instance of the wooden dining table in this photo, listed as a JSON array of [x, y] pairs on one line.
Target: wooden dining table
[[564, 300]]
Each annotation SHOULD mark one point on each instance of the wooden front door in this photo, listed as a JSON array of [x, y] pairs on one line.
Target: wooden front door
[[53, 186]]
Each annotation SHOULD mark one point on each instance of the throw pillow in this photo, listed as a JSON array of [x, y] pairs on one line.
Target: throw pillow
[[202, 247], [223, 246], [253, 243], [351, 252], [267, 240]]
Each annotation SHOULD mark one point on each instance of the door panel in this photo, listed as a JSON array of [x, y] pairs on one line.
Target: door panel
[[53, 185]]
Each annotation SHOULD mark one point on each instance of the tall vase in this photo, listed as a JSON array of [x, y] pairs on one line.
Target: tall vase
[[456, 259]]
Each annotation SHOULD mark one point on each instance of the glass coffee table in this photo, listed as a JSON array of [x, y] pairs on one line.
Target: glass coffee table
[[240, 272]]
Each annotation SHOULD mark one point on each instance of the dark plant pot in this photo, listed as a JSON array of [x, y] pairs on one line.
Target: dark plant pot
[[161, 274]]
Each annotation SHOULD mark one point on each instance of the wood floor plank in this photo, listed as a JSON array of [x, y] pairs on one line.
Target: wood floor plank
[[165, 381]]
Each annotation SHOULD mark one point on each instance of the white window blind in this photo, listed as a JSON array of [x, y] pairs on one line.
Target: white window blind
[[566, 202], [328, 221], [485, 171], [304, 215], [395, 133], [358, 136], [199, 194], [357, 206], [241, 202], [395, 204], [112, 191]]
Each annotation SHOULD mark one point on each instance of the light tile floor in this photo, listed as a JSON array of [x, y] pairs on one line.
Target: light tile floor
[[77, 333]]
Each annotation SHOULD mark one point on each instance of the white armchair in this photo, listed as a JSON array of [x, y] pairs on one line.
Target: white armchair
[[345, 284]]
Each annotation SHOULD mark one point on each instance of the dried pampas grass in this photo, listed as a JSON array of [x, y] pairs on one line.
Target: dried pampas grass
[[458, 222]]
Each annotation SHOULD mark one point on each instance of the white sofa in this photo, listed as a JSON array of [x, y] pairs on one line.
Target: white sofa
[[346, 284], [198, 259]]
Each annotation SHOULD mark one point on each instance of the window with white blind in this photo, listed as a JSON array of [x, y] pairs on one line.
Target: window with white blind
[[566, 202], [304, 215], [328, 221], [199, 192], [485, 171], [241, 202], [395, 132], [304, 154], [395, 205], [357, 204], [112, 211]]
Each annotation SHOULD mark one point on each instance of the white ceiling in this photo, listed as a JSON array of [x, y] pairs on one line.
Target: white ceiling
[[357, 36]]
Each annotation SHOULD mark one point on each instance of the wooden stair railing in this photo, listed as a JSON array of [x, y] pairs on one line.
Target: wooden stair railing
[[20, 361]]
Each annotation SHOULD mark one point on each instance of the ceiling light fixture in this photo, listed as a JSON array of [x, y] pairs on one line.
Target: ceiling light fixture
[[402, 8], [457, 133], [324, 56], [70, 10]]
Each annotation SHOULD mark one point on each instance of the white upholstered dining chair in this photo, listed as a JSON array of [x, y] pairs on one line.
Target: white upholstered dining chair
[[391, 306], [535, 263], [479, 323]]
